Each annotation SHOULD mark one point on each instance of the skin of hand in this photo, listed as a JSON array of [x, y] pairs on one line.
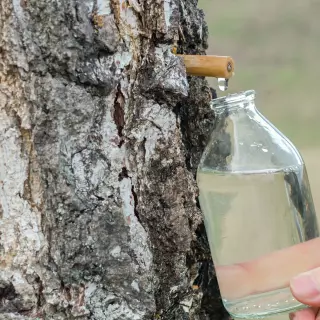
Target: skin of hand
[[306, 289], [277, 270], [269, 272]]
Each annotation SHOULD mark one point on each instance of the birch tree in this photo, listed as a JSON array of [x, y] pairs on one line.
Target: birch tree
[[101, 132]]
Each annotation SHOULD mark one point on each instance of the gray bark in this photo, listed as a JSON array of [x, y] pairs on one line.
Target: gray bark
[[100, 136]]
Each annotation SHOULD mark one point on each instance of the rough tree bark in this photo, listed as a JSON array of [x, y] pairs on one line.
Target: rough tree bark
[[100, 136]]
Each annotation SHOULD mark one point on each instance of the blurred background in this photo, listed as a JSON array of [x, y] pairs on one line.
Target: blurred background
[[275, 45]]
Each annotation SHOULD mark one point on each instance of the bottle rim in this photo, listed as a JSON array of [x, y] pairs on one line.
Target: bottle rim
[[230, 99]]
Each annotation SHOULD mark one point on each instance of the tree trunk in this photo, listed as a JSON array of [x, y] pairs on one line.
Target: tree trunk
[[100, 136]]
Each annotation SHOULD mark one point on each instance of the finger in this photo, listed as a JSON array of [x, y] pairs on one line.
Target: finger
[[306, 287], [269, 272], [318, 315], [305, 314]]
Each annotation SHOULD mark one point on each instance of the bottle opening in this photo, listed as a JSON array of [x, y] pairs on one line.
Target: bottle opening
[[234, 98]]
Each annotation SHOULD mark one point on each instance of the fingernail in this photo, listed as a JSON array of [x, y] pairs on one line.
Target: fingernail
[[306, 285]]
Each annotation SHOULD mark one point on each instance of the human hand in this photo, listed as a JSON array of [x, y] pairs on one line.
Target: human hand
[[306, 289], [275, 271]]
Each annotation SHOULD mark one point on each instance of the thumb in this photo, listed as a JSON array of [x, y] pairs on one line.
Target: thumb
[[306, 287]]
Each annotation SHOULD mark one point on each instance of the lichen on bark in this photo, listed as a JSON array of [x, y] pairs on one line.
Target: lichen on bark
[[101, 131]]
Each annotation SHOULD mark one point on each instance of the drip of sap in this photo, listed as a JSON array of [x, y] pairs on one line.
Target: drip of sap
[[223, 84]]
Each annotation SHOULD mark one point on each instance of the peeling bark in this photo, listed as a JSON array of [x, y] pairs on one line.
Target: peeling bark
[[101, 132]]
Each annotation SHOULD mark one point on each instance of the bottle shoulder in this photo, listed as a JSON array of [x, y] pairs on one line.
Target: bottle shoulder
[[247, 141]]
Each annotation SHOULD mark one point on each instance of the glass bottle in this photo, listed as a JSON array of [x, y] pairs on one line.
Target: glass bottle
[[258, 210]]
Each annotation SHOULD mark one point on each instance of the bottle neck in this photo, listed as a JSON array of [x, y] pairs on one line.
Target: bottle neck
[[236, 101]]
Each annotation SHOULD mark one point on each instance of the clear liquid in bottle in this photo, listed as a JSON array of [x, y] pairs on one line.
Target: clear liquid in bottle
[[258, 211], [254, 277]]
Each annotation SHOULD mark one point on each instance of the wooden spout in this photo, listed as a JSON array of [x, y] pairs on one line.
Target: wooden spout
[[209, 66]]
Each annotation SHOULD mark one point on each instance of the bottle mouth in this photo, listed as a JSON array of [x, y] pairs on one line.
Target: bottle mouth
[[230, 99]]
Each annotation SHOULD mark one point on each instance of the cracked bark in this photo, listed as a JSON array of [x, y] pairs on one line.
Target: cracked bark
[[100, 136]]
